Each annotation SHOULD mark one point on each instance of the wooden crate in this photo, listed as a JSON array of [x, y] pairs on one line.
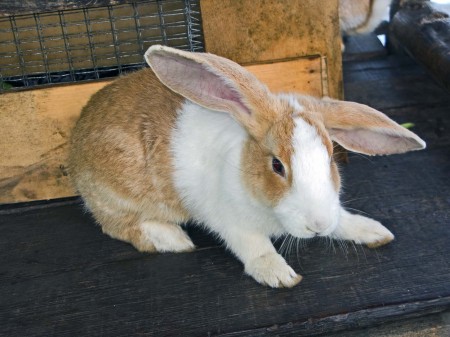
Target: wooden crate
[[290, 45]]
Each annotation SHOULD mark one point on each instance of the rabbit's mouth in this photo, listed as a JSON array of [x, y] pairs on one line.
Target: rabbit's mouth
[[313, 230], [308, 222]]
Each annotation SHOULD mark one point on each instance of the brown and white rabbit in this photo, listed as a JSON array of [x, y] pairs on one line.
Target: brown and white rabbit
[[361, 16], [199, 137]]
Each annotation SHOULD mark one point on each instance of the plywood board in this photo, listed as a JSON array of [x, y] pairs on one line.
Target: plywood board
[[36, 127], [300, 75]]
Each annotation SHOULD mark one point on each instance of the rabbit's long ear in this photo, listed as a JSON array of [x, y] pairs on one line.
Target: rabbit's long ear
[[360, 128], [212, 82]]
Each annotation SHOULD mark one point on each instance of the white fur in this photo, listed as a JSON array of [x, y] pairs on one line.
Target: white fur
[[312, 206], [361, 230], [271, 269], [207, 147], [378, 13], [293, 101], [166, 237]]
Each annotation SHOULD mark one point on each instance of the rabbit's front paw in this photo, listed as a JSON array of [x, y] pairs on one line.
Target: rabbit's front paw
[[376, 234], [272, 270], [362, 230]]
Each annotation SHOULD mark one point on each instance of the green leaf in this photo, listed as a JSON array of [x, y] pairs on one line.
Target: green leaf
[[408, 125]]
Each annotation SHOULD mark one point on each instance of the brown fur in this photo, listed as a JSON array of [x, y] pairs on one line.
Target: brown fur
[[379, 243], [258, 107], [265, 106], [266, 185], [267, 119], [119, 158], [378, 134], [258, 175]]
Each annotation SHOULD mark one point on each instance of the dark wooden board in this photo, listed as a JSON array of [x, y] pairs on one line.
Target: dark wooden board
[[433, 325], [61, 276], [431, 123], [391, 83], [362, 47], [400, 88]]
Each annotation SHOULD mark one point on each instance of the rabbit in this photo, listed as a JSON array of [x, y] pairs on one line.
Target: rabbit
[[361, 16], [198, 137]]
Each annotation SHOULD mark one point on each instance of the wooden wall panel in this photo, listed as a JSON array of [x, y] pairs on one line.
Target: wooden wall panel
[[249, 31], [301, 75], [36, 127]]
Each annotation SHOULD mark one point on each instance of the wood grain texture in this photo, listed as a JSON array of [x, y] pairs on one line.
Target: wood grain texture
[[261, 31], [302, 75], [392, 82], [433, 325], [61, 276], [363, 47], [36, 127]]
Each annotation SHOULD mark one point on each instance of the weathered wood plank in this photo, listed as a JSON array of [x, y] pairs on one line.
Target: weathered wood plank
[[36, 127], [60, 276], [345, 323], [386, 84], [433, 325], [362, 47], [301, 75]]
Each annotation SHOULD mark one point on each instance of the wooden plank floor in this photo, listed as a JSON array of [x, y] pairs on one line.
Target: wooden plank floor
[[60, 276]]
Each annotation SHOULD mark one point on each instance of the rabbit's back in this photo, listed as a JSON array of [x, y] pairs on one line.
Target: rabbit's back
[[120, 147]]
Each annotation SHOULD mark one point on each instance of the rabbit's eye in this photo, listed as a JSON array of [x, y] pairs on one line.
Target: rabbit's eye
[[277, 167]]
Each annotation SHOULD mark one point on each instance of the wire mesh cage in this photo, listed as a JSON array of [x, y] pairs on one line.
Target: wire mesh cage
[[92, 43]]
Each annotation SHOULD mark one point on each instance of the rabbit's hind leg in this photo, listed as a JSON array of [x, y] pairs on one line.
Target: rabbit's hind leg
[[144, 235], [123, 226], [166, 237]]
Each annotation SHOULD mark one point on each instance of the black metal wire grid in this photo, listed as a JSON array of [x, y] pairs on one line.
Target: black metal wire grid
[[92, 43]]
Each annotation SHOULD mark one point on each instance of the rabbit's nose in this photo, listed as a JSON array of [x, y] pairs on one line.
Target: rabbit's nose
[[320, 227], [312, 231]]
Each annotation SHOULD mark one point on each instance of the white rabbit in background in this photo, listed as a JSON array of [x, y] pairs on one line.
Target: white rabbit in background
[[362, 16]]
